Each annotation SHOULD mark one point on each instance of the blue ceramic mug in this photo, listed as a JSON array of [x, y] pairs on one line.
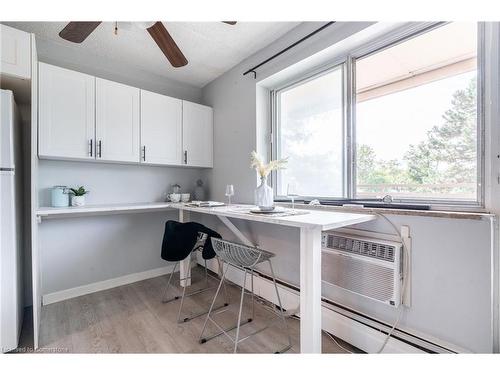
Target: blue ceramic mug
[[60, 196]]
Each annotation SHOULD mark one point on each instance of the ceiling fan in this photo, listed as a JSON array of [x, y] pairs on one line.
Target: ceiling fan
[[77, 32]]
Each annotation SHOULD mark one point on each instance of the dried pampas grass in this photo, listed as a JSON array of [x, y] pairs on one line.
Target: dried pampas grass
[[264, 169]]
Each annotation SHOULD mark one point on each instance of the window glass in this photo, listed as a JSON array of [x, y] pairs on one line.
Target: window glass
[[416, 117], [310, 134]]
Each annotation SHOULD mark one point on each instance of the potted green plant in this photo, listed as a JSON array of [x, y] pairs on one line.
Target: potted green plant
[[78, 196]]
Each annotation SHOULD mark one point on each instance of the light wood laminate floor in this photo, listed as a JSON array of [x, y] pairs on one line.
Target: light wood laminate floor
[[132, 319]]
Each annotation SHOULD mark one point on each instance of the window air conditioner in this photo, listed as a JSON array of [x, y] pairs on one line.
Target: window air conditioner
[[366, 266]]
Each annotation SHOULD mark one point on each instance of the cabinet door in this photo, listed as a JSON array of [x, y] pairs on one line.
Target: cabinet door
[[15, 52], [161, 129], [66, 113], [197, 134], [117, 121]]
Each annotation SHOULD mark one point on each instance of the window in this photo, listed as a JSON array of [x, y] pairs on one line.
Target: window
[[416, 128], [310, 135], [414, 132]]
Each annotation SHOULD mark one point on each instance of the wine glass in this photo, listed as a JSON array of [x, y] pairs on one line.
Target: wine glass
[[229, 193], [291, 192]]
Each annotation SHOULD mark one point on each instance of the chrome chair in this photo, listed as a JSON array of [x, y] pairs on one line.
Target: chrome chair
[[244, 258], [200, 242]]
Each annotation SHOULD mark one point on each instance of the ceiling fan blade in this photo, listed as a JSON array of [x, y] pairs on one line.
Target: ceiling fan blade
[[77, 32], [167, 44], [230, 22]]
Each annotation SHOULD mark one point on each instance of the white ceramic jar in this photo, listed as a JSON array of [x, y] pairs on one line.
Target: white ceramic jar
[[77, 200]]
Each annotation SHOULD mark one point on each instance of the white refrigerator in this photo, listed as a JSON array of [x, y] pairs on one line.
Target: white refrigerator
[[11, 285]]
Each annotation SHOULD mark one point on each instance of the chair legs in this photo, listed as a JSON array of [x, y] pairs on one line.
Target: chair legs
[[236, 340], [165, 292], [253, 294], [241, 309], [202, 339], [206, 272], [222, 331], [224, 288], [184, 295]]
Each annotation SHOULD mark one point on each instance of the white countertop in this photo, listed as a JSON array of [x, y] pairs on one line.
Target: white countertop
[[98, 209], [308, 219], [325, 220]]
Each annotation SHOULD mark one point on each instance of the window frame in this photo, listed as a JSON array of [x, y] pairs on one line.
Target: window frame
[[347, 62], [275, 122]]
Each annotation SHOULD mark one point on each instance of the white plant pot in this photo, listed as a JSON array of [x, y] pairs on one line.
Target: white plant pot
[[78, 200]]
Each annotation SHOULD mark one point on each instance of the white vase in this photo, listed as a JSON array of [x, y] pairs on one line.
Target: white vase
[[78, 200], [264, 197]]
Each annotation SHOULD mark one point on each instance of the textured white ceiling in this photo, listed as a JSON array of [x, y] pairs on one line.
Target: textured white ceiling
[[211, 48]]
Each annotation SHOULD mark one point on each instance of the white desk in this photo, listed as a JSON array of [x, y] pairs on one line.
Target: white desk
[[311, 224]]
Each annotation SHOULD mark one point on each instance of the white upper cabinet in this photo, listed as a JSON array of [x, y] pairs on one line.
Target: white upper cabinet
[[66, 113], [117, 121], [82, 117], [15, 52], [197, 128], [161, 129]]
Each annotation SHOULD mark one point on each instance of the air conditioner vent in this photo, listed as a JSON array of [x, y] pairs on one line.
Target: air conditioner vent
[[363, 265], [358, 246]]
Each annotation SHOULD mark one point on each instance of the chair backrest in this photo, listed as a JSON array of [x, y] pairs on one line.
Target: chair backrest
[[181, 239], [237, 254]]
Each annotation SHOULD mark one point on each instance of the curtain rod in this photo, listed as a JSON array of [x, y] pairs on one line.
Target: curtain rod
[[252, 70]]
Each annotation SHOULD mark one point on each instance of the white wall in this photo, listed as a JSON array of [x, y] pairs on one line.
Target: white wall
[[80, 251], [452, 284], [115, 183]]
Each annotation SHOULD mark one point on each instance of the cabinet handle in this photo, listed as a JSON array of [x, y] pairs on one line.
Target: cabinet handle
[[99, 147], [90, 147], [185, 157], [144, 153]]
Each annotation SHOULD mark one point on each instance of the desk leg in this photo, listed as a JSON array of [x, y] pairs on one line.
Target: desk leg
[[185, 265], [310, 290], [235, 231]]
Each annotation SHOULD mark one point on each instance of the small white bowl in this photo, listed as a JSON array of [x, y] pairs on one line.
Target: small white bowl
[[174, 197], [185, 197]]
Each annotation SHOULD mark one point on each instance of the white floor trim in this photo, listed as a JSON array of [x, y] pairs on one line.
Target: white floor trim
[[105, 284]]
